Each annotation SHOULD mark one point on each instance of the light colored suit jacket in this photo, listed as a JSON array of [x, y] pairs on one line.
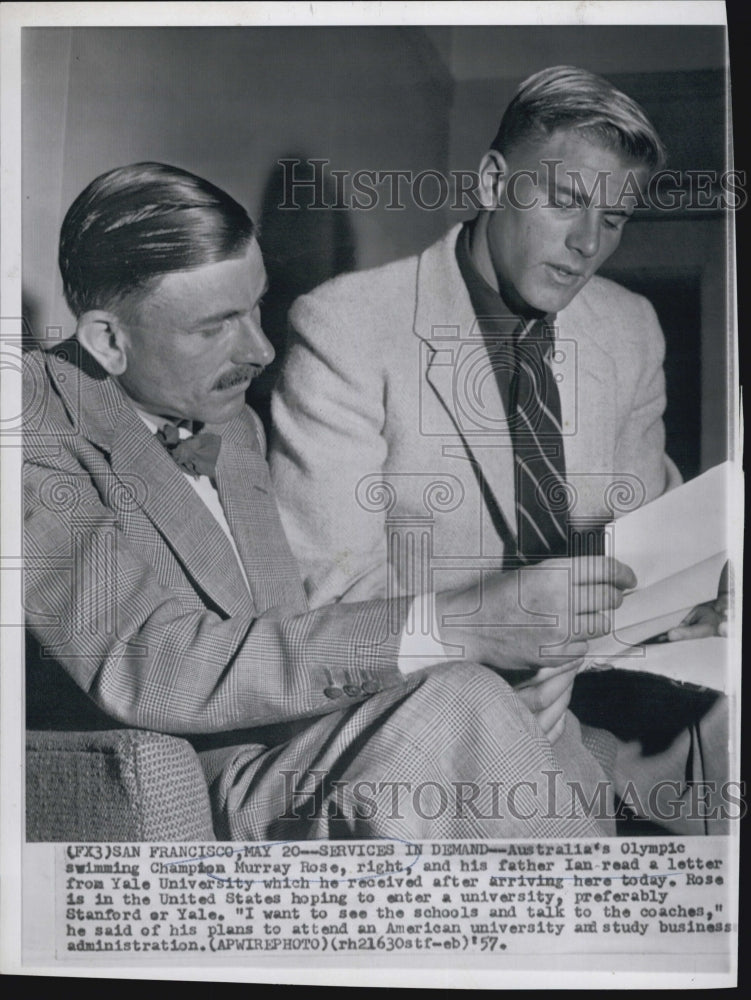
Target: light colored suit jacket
[[388, 418], [133, 591]]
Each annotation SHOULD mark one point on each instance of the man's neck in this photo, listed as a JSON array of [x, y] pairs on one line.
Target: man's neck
[[480, 255], [154, 421], [152, 418]]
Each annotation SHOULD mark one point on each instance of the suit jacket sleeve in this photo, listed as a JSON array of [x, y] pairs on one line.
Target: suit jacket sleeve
[[160, 657], [328, 413]]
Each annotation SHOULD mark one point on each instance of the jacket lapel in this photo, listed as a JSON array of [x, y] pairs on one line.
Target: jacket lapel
[[180, 516], [247, 497], [587, 387], [148, 477], [459, 371]]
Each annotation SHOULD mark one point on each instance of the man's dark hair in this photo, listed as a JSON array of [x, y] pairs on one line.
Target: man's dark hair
[[135, 224], [571, 98]]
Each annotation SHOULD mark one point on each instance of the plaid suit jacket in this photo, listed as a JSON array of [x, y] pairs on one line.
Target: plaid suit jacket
[[133, 591]]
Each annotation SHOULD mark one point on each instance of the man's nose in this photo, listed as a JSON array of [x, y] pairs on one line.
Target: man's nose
[[254, 346], [584, 236]]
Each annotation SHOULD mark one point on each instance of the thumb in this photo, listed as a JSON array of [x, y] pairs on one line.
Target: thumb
[[688, 631]]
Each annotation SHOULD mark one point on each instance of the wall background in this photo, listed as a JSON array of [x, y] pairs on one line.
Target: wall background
[[228, 103]]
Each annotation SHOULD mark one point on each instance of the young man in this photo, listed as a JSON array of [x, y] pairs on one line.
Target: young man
[[160, 583], [490, 402]]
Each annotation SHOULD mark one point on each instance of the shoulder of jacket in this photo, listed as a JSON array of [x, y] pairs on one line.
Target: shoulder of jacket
[[619, 316], [603, 293], [387, 282], [357, 286], [43, 409], [255, 427]]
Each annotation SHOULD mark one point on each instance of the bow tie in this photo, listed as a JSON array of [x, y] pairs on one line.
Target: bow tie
[[195, 455]]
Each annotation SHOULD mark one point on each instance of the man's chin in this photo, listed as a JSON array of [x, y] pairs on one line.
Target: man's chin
[[554, 301], [223, 412]]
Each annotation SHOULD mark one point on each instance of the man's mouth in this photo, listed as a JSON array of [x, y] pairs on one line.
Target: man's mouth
[[238, 376], [566, 275]]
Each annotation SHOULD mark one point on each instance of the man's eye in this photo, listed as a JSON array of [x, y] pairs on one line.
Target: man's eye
[[614, 222], [215, 330], [560, 199]]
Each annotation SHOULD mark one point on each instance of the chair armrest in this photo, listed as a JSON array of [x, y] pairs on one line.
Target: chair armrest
[[116, 785]]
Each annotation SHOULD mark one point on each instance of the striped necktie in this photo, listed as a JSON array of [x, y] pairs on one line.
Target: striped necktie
[[542, 500]]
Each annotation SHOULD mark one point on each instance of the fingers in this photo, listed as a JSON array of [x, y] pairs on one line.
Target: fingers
[[553, 716], [558, 729], [597, 597], [699, 631], [574, 650], [544, 674], [563, 656], [538, 697], [556, 666], [702, 621], [691, 618], [623, 576], [593, 624], [603, 569]]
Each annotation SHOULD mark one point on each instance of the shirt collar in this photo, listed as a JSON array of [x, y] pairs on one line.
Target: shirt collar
[[156, 423]]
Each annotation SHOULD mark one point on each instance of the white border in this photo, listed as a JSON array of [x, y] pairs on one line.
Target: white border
[[14, 16]]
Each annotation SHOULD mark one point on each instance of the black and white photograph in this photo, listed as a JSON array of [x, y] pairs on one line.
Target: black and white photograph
[[372, 494]]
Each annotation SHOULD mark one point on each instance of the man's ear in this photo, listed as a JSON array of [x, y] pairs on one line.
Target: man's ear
[[492, 178], [103, 336]]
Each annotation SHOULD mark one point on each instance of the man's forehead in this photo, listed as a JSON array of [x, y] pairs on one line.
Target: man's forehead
[[232, 278], [576, 148], [577, 163]]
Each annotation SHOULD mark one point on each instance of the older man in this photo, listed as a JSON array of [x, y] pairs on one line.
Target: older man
[[161, 592], [489, 402]]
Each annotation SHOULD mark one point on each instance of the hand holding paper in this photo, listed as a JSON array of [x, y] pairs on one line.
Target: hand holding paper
[[710, 618], [676, 546]]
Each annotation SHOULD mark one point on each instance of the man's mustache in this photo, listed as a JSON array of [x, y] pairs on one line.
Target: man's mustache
[[242, 373]]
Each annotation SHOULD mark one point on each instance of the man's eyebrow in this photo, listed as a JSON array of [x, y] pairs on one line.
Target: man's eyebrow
[[228, 314], [574, 192], [568, 191], [217, 317]]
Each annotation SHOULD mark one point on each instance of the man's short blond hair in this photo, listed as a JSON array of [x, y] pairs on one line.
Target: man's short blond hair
[[565, 97]]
